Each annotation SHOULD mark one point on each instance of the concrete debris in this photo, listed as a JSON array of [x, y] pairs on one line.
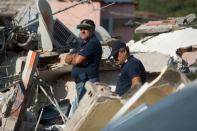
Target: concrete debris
[[190, 57], [153, 61], [35, 82], [165, 43], [16, 106], [168, 113], [188, 54], [157, 27], [182, 50], [167, 25], [94, 109]]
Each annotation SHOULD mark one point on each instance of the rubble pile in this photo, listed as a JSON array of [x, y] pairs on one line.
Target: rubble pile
[[37, 91], [173, 38]]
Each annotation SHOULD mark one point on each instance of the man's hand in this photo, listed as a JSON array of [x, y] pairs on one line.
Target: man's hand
[[73, 59]]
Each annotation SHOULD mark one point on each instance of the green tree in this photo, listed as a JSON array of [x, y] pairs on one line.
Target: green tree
[[168, 8]]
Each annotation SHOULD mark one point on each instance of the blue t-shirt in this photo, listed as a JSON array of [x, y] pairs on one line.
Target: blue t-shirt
[[132, 68], [92, 50]]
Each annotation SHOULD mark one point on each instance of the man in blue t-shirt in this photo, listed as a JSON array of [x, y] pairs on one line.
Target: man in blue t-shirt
[[132, 74], [86, 58]]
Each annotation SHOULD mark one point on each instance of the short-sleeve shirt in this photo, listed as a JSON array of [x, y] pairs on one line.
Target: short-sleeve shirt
[[92, 50], [132, 68]]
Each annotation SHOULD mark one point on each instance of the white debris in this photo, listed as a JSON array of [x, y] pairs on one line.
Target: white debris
[[153, 61], [166, 43]]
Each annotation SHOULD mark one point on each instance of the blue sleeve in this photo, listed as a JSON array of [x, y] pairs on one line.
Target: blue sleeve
[[134, 70], [90, 49]]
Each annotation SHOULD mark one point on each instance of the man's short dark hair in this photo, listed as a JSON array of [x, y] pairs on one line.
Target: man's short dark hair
[[116, 46]]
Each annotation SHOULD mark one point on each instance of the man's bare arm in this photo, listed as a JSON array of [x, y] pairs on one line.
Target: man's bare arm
[[78, 59], [136, 82], [74, 59]]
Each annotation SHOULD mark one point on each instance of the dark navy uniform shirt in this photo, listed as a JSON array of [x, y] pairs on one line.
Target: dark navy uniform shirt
[[132, 68], [92, 50]]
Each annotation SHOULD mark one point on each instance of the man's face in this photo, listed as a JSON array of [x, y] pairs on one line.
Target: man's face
[[121, 56], [85, 33]]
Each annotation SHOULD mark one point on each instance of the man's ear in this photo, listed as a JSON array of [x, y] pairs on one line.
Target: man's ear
[[125, 51]]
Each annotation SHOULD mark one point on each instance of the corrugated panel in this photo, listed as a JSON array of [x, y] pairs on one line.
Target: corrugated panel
[[65, 38]]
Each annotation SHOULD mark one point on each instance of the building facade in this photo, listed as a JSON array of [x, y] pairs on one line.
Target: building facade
[[115, 17], [111, 14]]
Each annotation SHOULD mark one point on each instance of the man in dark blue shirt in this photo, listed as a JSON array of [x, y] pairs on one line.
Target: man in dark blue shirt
[[132, 74], [86, 58]]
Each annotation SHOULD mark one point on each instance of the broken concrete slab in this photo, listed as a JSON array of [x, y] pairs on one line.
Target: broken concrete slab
[[165, 43], [190, 57], [166, 25], [94, 110], [182, 50], [157, 27], [153, 61]]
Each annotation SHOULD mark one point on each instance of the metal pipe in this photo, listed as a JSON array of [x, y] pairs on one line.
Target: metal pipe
[[39, 119]]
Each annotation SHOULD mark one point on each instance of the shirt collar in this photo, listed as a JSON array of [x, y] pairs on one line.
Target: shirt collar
[[129, 57], [126, 61]]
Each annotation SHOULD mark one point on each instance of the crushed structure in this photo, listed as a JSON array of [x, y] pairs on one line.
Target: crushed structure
[[37, 91]]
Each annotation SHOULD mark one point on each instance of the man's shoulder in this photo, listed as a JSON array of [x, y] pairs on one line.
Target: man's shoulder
[[94, 43], [133, 59], [94, 39], [136, 63]]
